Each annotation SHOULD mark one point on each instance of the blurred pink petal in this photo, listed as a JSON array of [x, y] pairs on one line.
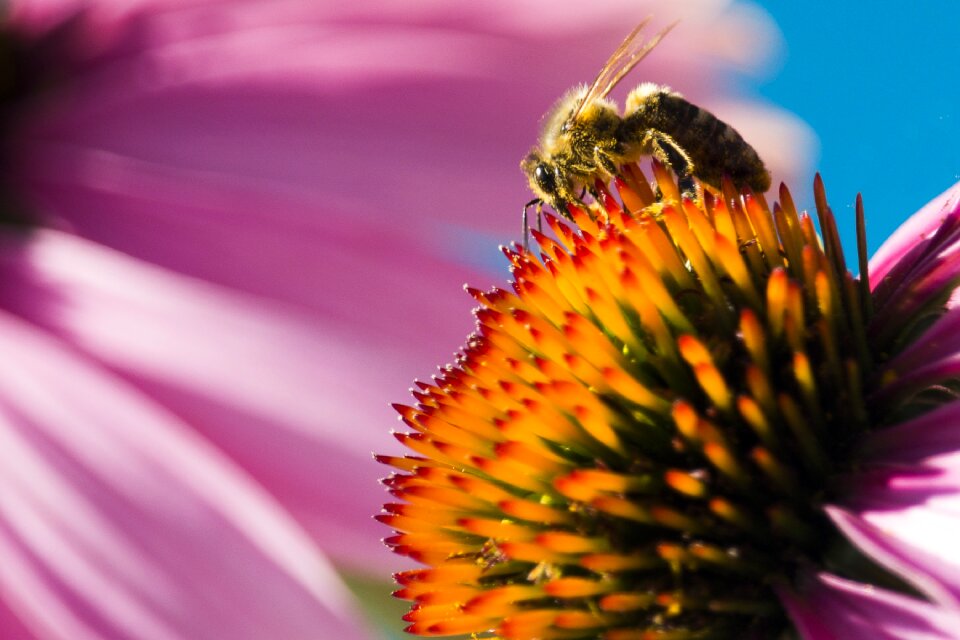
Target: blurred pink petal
[[903, 511], [117, 521], [831, 608], [259, 382], [280, 175]]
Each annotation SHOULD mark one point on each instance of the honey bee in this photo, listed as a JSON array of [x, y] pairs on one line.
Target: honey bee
[[585, 137]]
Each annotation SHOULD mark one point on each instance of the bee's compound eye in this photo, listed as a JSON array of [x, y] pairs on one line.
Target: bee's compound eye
[[545, 178]]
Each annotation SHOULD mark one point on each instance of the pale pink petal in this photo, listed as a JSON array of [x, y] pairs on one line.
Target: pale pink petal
[[908, 525], [921, 226], [831, 608], [931, 440], [903, 509], [298, 115], [328, 169], [931, 361], [295, 407], [117, 521], [335, 158]]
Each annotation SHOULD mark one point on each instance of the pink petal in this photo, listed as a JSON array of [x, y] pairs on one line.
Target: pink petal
[[916, 542], [932, 439], [920, 226], [831, 608], [322, 173], [904, 509], [279, 122], [298, 409], [117, 521], [940, 342]]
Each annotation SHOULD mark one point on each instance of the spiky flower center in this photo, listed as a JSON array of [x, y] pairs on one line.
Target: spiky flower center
[[637, 441]]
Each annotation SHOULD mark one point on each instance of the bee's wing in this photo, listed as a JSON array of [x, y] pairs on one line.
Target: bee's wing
[[630, 52]]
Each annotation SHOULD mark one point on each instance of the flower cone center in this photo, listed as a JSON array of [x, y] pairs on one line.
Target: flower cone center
[[638, 441]]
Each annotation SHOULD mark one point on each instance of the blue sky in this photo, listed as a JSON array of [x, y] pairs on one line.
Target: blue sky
[[881, 89]]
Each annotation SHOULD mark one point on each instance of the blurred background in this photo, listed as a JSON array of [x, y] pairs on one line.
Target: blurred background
[[878, 88], [236, 230]]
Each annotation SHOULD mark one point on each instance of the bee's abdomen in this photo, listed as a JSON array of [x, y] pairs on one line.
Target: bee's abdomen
[[715, 148]]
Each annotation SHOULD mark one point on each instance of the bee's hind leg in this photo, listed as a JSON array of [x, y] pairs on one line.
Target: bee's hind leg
[[665, 149]]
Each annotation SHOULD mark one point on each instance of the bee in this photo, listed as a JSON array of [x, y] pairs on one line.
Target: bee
[[585, 137]]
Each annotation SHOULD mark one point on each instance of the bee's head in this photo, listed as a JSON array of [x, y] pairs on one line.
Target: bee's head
[[546, 180]]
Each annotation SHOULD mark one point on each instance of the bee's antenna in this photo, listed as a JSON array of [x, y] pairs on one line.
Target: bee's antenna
[[526, 225]]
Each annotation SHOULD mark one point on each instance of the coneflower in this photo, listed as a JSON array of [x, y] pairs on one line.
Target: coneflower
[[688, 420]]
